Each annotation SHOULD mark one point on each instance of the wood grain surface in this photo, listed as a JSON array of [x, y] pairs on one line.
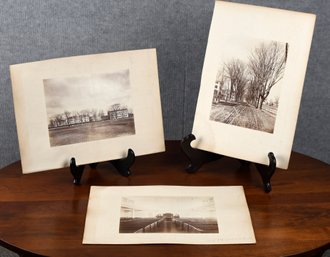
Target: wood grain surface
[[45, 213]]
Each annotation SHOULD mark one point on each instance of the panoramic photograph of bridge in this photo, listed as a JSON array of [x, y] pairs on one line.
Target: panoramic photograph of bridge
[[248, 84], [152, 214]]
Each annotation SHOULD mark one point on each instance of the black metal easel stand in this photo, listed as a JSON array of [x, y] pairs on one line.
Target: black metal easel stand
[[198, 158], [121, 165]]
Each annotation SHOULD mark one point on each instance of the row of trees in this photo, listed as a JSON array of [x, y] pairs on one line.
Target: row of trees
[[253, 81], [87, 115]]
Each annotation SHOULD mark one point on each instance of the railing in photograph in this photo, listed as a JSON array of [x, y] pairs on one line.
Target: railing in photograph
[[151, 227], [197, 225], [135, 225], [184, 226]]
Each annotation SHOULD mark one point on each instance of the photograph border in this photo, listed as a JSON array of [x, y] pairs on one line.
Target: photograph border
[[31, 114], [233, 20], [232, 213]]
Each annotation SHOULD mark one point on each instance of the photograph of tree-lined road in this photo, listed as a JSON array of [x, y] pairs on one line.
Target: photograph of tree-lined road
[[247, 86]]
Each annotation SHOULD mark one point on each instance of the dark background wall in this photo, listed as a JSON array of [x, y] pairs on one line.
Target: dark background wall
[[33, 30]]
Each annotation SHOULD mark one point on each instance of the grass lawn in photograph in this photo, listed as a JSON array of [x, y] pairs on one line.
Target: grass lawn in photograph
[[91, 131]]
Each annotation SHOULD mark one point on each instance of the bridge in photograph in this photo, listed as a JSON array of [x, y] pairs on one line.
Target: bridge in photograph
[[168, 223]]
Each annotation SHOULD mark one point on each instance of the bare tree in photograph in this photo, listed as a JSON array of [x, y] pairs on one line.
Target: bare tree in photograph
[[244, 93], [241, 81], [252, 94], [266, 65], [58, 119], [235, 72], [100, 113], [115, 107], [220, 78], [94, 114], [67, 116]]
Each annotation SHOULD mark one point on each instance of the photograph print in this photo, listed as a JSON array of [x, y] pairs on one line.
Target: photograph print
[[182, 214], [88, 108], [252, 81], [168, 214], [248, 84]]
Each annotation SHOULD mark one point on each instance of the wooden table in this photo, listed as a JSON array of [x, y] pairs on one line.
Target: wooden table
[[45, 213]]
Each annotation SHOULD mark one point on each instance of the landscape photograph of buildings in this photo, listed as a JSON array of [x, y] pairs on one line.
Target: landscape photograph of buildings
[[152, 214], [88, 108], [248, 84]]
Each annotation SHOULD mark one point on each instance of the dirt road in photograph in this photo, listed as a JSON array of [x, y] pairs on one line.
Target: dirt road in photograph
[[243, 115]]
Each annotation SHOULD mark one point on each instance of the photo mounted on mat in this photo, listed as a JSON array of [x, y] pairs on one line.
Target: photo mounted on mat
[[252, 81], [168, 215], [93, 108]]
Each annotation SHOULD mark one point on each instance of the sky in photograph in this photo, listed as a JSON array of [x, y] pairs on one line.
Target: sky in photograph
[[184, 206], [97, 91], [241, 48]]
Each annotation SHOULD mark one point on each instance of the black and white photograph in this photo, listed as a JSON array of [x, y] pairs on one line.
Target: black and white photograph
[[248, 84], [252, 81], [168, 215], [89, 108]]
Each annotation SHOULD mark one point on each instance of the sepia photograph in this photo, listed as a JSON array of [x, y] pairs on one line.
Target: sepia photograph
[[88, 108], [252, 81], [93, 108], [168, 215], [248, 84]]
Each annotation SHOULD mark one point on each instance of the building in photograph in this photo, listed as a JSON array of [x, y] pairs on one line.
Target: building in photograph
[[222, 92], [118, 114]]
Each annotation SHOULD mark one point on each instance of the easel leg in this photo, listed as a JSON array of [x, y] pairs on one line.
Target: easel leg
[[267, 172], [195, 156], [198, 157], [76, 171], [123, 165]]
